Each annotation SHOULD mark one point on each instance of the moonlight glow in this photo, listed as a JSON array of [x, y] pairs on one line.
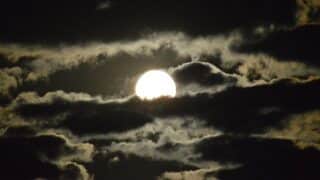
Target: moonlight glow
[[154, 84]]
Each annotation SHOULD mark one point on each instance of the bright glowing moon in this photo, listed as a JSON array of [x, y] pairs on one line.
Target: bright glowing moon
[[154, 84]]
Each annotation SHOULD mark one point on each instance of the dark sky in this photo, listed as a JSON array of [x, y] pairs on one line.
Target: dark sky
[[247, 74]]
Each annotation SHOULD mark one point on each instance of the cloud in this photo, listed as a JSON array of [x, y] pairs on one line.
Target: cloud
[[225, 16], [223, 91], [63, 64], [169, 139], [50, 60], [171, 134], [280, 158], [303, 129], [287, 45], [173, 128], [41, 156], [266, 68], [197, 76], [104, 5], [162, 145], [188, 175], [78, 112], [82, 152], [242, 110], [50, 97], [308, 11], [235, 109], [134, 167], [37, 62], [247, 100], [10, 78]]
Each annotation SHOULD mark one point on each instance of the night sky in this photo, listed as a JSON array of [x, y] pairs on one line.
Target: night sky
[[247, 105]]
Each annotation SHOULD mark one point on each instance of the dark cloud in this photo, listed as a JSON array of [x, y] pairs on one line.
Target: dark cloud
[[107, 76], [78, 21], [83, 117], [165, 139], [308, 11], [80, 67], [296, 44], [240, 109], [32, 157], [261, 158], [102, 120], [101, 68], [235, 109], [204, 74], [103, 5], [122, 166], [20, 131], [302, 128]]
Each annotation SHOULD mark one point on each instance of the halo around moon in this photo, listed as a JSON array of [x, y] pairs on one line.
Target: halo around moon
[[154, 84]]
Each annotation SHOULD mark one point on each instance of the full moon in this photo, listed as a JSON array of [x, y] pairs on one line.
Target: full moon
[[154, 84]]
